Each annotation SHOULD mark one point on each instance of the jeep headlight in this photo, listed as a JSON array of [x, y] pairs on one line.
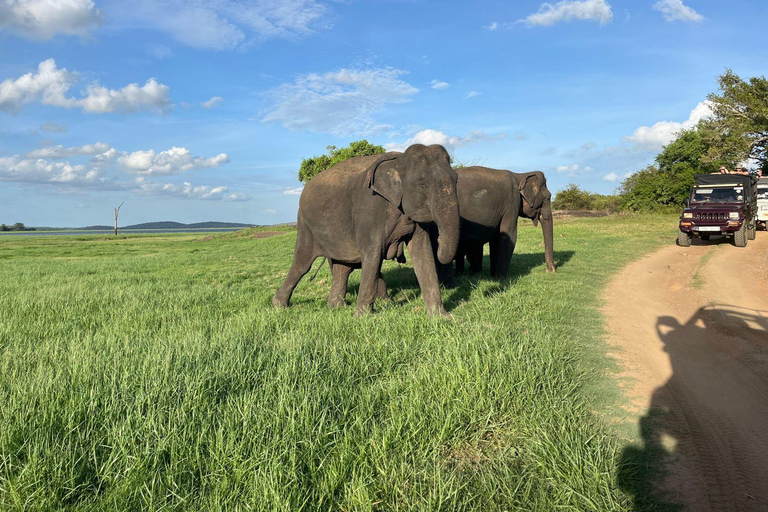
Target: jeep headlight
[[687, 215], [733, 215]]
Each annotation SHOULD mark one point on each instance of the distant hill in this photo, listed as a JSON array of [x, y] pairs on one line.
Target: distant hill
[[167, 224]]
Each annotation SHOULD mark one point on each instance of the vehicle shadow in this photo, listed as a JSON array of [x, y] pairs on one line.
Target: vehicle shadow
[[713, 240], [703, 440], [403, 280]]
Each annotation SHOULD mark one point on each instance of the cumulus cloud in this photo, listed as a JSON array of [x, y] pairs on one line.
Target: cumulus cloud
[[573, 169], [173, 161], [59, 152], [675, 10], [472, 94], [570, 10], [340, 102], [450, 143], [38, 170], [228, 24], [51, 84], [293, 191], [611, 177], [42, 19], [664, 132], [187, 191], [437, 84], [213, 102]]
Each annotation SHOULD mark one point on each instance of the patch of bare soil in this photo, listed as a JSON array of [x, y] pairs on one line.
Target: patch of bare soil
[[690, 327], [267, 234]]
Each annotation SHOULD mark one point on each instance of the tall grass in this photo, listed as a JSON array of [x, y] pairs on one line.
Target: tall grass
[[151, 373]]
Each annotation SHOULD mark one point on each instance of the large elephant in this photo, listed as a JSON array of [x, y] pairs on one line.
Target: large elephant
[[490, 201], [361, 211]]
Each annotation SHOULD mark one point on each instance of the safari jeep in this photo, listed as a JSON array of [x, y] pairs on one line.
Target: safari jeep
[[762, 202], [720, 204]]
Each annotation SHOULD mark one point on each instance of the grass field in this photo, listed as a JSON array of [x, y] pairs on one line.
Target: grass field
[[151, 373]]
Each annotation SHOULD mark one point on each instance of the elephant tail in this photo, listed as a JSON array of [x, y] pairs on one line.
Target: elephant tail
[[312, 278]]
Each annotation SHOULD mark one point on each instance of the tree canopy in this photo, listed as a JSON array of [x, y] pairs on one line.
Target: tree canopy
[[738, 127], [312, 166]]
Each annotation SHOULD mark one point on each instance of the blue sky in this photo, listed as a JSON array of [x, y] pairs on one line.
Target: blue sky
[[195, 110]]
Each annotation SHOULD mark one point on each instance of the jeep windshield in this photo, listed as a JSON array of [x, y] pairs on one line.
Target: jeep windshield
[[762, 191], [710, 195]]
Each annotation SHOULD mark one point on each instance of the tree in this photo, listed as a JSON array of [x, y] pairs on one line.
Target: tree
[[117, 210], [738, 127], [668, 182], [3, 227], [19, 226], [312, 166]]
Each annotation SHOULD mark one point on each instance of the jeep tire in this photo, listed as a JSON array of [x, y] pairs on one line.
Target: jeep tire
[[683, 239], [751, 231], [740, 236]]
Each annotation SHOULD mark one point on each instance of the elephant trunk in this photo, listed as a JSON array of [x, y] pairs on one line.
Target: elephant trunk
[[547, 228], [445, 213]]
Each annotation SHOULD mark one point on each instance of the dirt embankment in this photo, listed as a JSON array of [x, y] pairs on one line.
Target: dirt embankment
[[690, 326]]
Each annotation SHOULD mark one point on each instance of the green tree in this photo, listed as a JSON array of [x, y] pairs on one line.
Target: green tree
[[667, 183], [19, 227], [3, 227], [738, 127], [574, 198], [311, 167]]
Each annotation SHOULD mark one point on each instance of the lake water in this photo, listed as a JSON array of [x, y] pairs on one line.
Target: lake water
[[120, 232]]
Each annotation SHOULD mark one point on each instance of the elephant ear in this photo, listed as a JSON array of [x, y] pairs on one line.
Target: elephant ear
[[529, 189], [385, 180]]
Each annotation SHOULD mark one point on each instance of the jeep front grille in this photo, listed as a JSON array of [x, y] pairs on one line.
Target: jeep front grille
[[711, 217]]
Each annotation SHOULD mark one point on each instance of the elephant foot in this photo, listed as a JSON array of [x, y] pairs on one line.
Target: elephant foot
[[361, 312], [279, 303], [336, 303], [450, 283], [439, 312]]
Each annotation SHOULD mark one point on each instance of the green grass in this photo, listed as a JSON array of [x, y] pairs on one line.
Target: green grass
[[152, 373]]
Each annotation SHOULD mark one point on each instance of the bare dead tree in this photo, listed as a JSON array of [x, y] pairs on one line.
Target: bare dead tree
[[117, 210]]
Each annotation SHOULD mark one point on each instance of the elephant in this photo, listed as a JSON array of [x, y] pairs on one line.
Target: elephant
[[490, 202], [362, 211]]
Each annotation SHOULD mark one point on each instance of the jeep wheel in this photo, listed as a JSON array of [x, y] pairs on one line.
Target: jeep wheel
[[683, 239], [740, 236], [704, 237], [751, 231]]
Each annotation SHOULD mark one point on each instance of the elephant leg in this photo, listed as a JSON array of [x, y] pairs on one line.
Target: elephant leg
[[475, 257], [423, 262], [340, 279], [369, 283], [505, 247], [381, 289], [303, 257], [460, 260]]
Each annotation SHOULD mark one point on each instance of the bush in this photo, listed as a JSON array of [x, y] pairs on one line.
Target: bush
[[574, 198], [312, 166]]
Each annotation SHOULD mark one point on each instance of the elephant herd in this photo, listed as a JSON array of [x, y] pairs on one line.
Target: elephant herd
[[367, 209]]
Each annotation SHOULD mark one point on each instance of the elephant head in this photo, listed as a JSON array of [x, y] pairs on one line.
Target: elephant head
[[422, 184], [537, 205]]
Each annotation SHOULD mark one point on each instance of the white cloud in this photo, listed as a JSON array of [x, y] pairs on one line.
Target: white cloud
[[450, 143], [675, 10], [611, 177], [574, 169], [664, 132], [339, 102], [187, 191], [51, 84], [493, 26], [570, 10], [58, 152], [176, 160], [472, 94], [38, 170], [437, 84], [213, 102], [42, 19], [227, 24], [293, 191], [271, 211]]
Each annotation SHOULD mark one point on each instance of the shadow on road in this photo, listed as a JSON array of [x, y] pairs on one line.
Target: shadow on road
[[705, 436]]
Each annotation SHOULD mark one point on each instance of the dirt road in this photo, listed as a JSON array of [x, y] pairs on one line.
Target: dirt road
[[690, 327]]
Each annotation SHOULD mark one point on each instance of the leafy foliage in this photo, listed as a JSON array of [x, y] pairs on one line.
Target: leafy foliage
[[311, 167], [574, 198], [667, 183], [738, 128], [19, 226]]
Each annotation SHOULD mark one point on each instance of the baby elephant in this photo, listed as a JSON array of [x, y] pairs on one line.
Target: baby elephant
[[361, 211]]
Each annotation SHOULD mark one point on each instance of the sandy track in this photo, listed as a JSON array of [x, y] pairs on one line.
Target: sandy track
[[690, 326]]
